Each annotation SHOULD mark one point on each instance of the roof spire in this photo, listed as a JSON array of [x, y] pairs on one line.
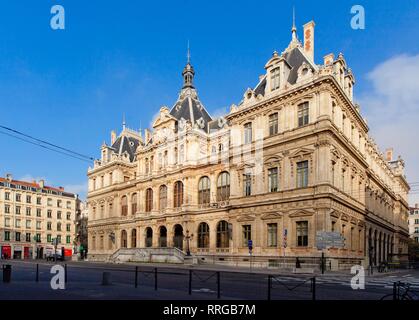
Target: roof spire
[[188, 55], [294, 28], [123, 121]]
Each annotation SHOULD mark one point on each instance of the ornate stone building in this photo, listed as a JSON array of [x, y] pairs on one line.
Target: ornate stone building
[[292, 160]]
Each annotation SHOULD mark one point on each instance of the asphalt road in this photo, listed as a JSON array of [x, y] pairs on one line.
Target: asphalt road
[[84, 282]]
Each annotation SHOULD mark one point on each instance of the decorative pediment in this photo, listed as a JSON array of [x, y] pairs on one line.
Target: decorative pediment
[[344, 217], [301, 153], [271, 216], [334, 213], [246, 217], [272, 161], [301, 213]]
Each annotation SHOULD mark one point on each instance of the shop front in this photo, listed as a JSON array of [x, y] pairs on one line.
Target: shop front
[[17, 252], [6, 252]]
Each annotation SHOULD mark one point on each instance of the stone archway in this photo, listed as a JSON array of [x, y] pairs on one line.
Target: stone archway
[[163, 237], [124, 239], [148, 237], [178, 236]]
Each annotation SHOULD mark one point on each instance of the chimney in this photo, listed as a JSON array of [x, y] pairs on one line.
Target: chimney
[[42, 183], [8, 176], [328, 59], [61, 188], [113, 137], [389, 154], [309, 39], [416, 205]]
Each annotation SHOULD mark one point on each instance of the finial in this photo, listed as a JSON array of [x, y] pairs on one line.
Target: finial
[[123, 121], [188, 54], [294, 28]]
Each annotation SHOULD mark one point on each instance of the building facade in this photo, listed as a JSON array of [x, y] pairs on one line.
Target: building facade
[[292, 160], [82, 216], [31, 216], [414, 223]]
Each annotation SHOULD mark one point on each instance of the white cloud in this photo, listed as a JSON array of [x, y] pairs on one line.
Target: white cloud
[[80, 189], [392, 110]]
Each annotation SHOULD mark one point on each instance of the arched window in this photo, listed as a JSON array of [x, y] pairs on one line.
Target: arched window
[[222, 235], [162, 197], [134, 203], [124, 205], [149, 200], [204, 191], [178, 194], [223, 186], [134, 238], [203, 235], [148, 237], [123, 239]]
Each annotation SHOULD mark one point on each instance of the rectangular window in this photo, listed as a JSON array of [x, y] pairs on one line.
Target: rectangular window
[[68, 239], [302, 174], [7, 196], [275, 77], [49, 213], [59, 203], [38, 225], [18, 197], [68, 227], [58, 239], [17, 236], [6, 208], [17, 210], [273, 124], [58, 214], [38, 200], [68, 215], [49, 202], [248, 133], [58, 226], [302, 233], [28, 237], [49, 226], [7, 222], [28, 199], [247, 234], [17, 223], [272, 234], [416, 221], [28, 211], [28, 224], [49, 238], [38, 237], [273, 179], [6, 235], [303, 114], [247, 183], [38, 212]]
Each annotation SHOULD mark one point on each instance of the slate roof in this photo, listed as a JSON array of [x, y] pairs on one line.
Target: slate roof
[[191, 109], [125, 143]]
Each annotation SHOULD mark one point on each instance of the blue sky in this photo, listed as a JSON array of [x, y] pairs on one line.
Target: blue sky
[[72, 86]]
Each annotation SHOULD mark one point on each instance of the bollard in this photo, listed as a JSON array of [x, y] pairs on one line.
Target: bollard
[[106, 279], [269, 286], [37, 273], [313, 287], [155, 278], [65, 273], [7, 273], [218, 285], [136, 277]]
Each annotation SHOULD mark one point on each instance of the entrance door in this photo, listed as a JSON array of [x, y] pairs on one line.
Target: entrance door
[[26, 252], [178, 237]]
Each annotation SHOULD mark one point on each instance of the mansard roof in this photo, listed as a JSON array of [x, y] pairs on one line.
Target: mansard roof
[[191, 109], [126, 144]]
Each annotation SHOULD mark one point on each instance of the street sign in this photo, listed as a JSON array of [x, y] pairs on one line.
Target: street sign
[[327, 239]]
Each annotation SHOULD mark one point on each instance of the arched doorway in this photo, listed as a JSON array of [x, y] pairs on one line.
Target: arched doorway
[[133, 238], [178, 237], [123, 239], [203, 235], [149, 237], [163, 237], [223, 240]]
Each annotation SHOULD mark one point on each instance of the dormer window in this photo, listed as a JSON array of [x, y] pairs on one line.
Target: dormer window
[[275, 79]]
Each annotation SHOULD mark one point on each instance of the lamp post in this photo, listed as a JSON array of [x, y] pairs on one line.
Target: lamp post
[[187, 238]]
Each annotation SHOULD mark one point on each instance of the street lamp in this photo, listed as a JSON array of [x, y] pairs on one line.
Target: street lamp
[[187, 238]]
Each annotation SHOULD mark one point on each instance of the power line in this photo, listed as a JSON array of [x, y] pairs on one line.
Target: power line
[[45, 147], [45, 142]]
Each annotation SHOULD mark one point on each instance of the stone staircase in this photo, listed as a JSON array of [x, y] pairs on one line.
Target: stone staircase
[[163, 255]]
